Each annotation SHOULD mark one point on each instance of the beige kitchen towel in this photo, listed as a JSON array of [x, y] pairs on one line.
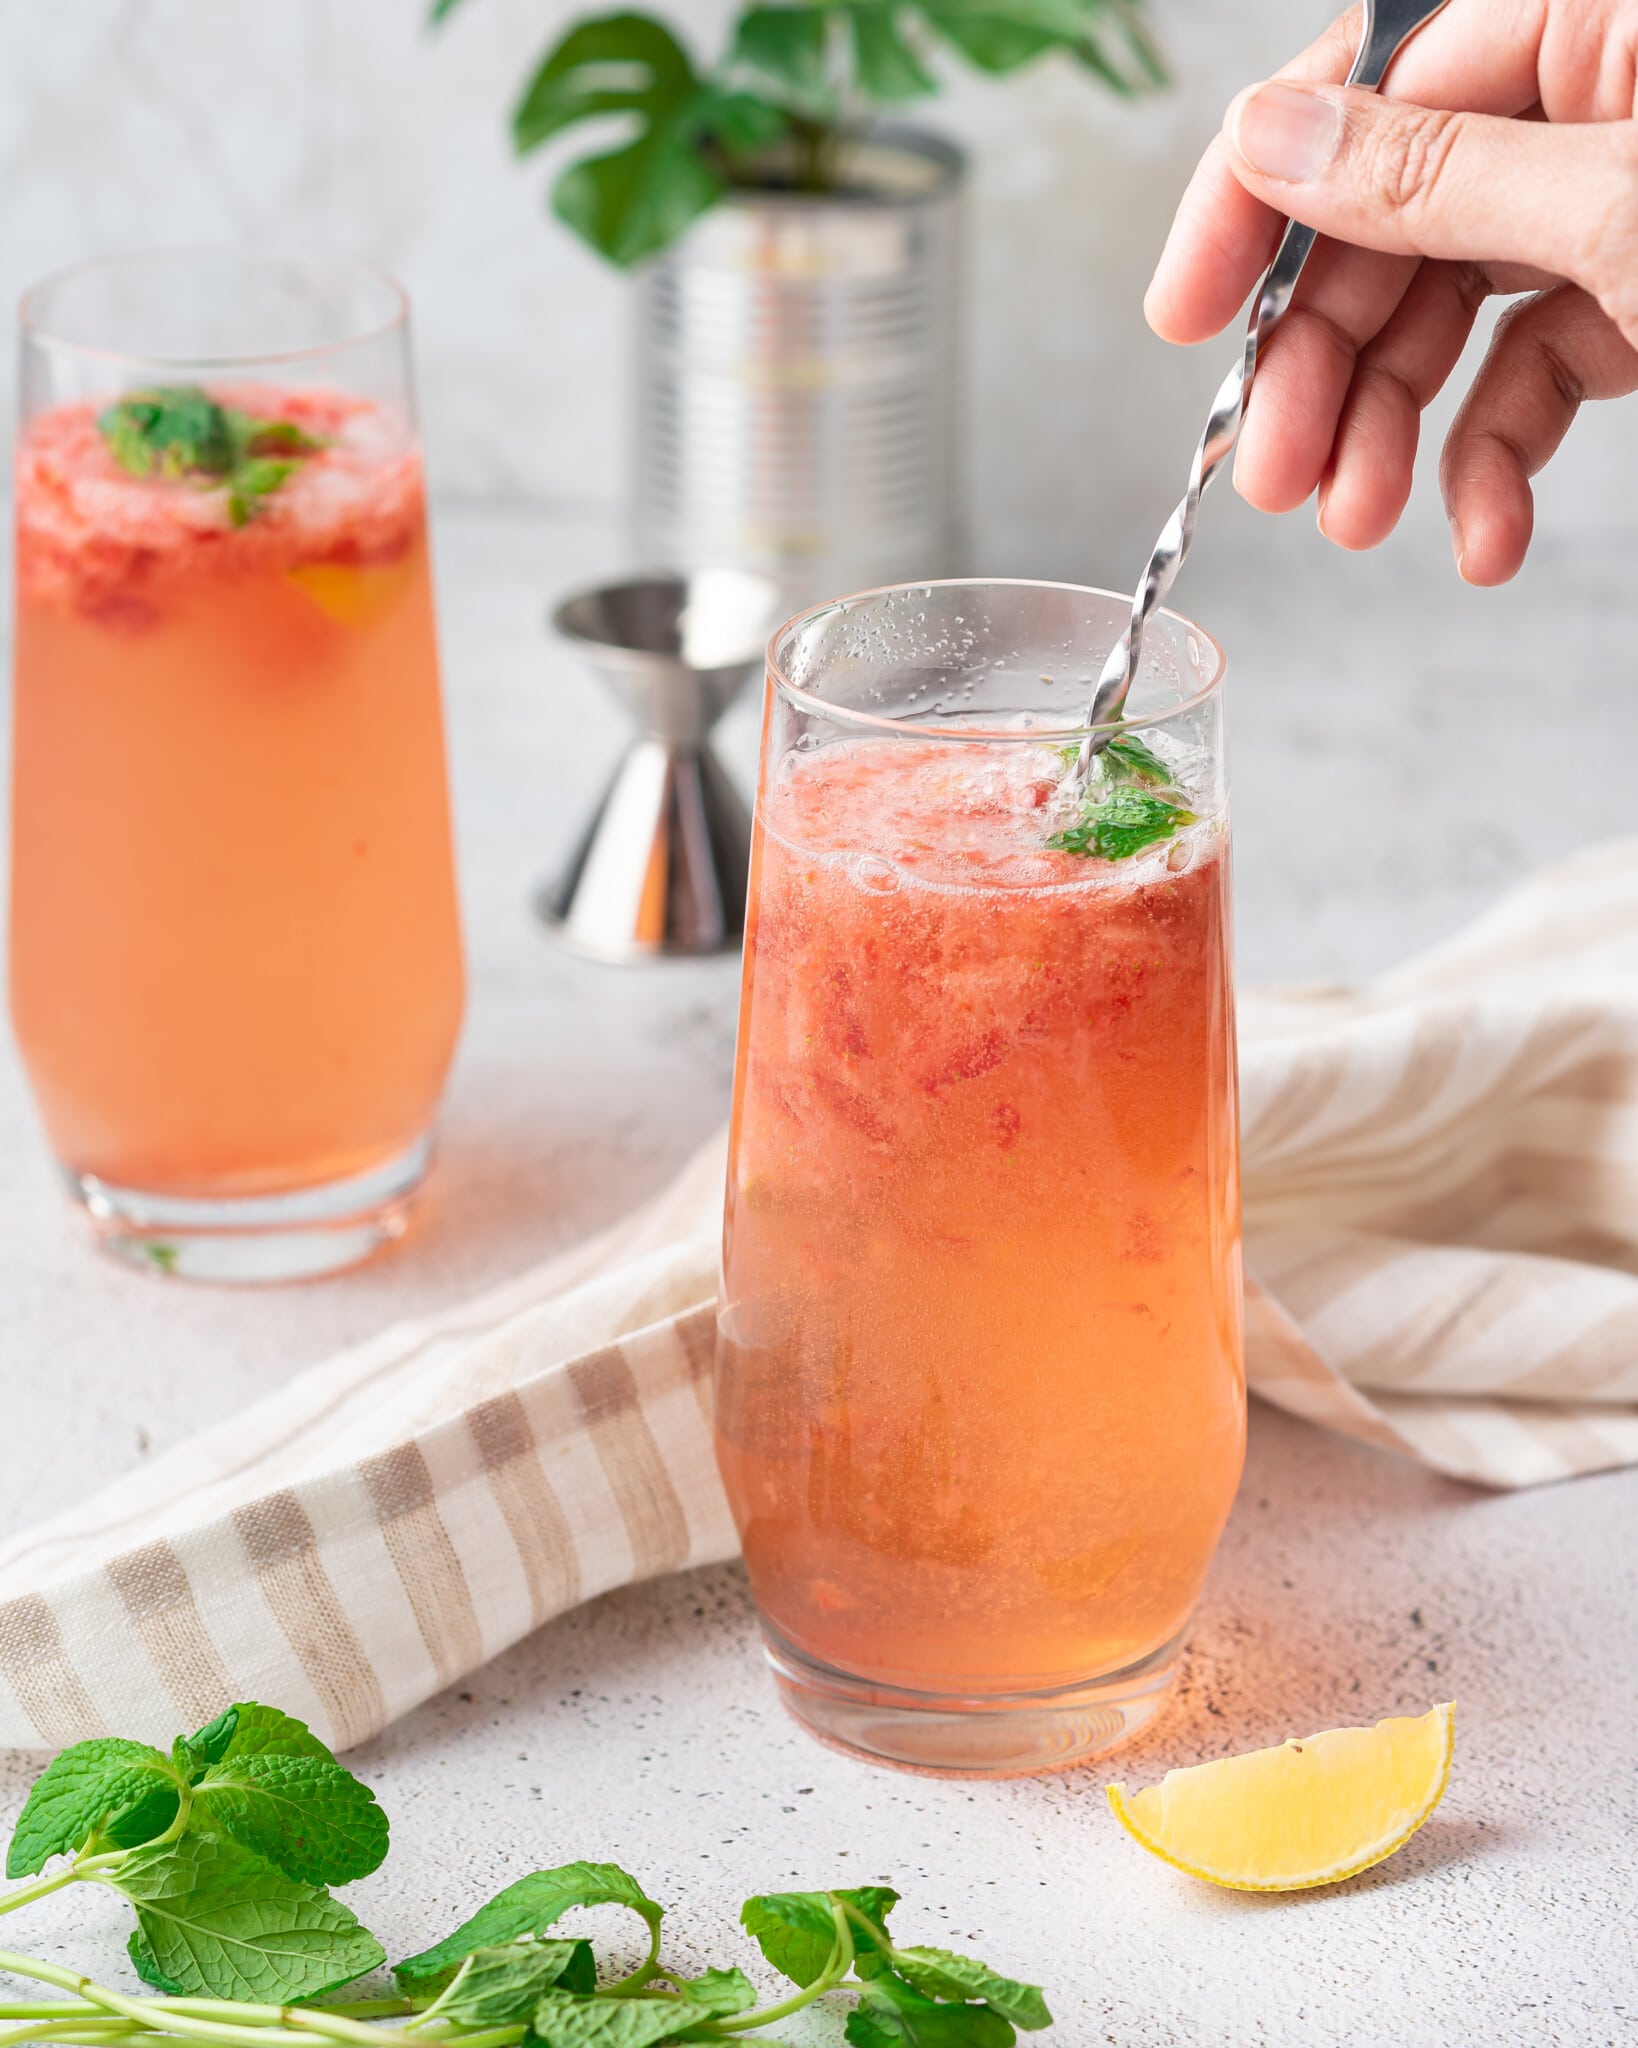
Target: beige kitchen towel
[[1441, 1187]]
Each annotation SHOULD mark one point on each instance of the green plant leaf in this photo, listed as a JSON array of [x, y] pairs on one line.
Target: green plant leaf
[[717, 1994], [170, 429], [527, 1907], [253, 483], [893, 2014], [1138, 762], [84, 1790], [611, 64], [938, 1973], [220, 1922], [887, 68], [999, 36], [312, 1820], [564, 2021], [795, 1931], [193, 1755], [789, 46], [739, 121], [501, 1986], [1123, 823], [147, 1969], [264, 1731], [633, 200], [991, 42], [636, 201]]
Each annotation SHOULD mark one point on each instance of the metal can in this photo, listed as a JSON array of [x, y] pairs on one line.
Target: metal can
[[798, 367]]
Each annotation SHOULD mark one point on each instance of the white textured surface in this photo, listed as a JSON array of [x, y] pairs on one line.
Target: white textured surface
[[1386, 788]]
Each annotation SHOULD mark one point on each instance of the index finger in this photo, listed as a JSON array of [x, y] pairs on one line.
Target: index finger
[[1476, 56]]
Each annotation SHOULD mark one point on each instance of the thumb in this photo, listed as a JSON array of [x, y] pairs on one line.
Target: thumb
[[1467, 187]]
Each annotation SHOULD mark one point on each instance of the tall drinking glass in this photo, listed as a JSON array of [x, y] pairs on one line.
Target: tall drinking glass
[[980, 1402], [235, 960]]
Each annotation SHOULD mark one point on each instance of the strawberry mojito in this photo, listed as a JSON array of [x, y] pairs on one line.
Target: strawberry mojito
[[980, 1405], [235, 962]]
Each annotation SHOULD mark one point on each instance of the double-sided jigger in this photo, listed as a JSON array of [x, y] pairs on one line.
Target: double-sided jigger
[[661, 868]]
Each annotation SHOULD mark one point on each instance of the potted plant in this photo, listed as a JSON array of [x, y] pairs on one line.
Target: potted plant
[[799, 266]]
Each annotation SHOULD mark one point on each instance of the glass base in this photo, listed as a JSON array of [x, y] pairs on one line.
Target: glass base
[[977, 1735], [256, 1240]]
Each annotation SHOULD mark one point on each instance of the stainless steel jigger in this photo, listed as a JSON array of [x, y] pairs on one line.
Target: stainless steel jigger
[[1389, 24], [661, 868]]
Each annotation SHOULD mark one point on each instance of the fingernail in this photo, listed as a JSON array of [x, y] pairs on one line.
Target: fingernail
[[1459, 545], [1287, 133]]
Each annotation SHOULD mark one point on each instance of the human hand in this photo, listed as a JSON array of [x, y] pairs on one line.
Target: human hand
[[1503, 158]]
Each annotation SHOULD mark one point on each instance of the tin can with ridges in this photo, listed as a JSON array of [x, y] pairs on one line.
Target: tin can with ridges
[[799, 368]]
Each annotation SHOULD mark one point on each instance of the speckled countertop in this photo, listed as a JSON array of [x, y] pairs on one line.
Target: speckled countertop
[[1385, 790]]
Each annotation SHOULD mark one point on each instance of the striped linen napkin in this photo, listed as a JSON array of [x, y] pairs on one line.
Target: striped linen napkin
[[1442, 1218]]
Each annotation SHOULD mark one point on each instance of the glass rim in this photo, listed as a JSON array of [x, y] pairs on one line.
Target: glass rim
[[33, 327], [875, 721]]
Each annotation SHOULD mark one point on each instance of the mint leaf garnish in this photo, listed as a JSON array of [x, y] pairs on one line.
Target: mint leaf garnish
[[938, 1973], [252, 483], [1129, 801], [81, 1791], [274, 437], [529, 1906], [174, 430], [1141, 763], [222, 1923], [179, 432], [1122, 824]]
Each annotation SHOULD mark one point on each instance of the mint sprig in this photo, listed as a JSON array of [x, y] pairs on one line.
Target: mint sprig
[[178, 432], [224, 1850], [1129, 801]]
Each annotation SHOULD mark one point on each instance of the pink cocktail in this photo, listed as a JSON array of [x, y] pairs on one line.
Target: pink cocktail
[[980, 1405]]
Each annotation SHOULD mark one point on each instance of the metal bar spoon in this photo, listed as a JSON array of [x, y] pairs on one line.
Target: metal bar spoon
[[1389, 24]]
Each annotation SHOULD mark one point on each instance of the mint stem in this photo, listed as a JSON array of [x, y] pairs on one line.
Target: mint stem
[[841, 1961], [253, 2025], [26, 1894]]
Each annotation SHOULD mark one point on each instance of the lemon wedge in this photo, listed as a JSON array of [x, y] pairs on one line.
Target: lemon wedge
[[1307, 1813]]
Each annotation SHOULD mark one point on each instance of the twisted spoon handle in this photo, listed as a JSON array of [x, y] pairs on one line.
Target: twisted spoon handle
[[1388, 25]]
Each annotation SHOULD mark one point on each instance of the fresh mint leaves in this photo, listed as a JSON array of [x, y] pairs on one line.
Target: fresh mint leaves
[[1128, 802], [796, 1931], [526, 1909], [83, 1792], [1140, 763], [225, 1847], [501, 1985], [219, 1921], [938, 1974], [180, 433]]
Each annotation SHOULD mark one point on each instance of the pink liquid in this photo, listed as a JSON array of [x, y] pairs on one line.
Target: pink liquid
[[980, 1397], [235, 959]]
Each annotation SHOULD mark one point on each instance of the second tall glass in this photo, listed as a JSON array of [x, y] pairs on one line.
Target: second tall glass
[[235, 961], [980, 1400]]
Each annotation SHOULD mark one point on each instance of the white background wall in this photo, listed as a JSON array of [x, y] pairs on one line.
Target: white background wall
[[349, 123]]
